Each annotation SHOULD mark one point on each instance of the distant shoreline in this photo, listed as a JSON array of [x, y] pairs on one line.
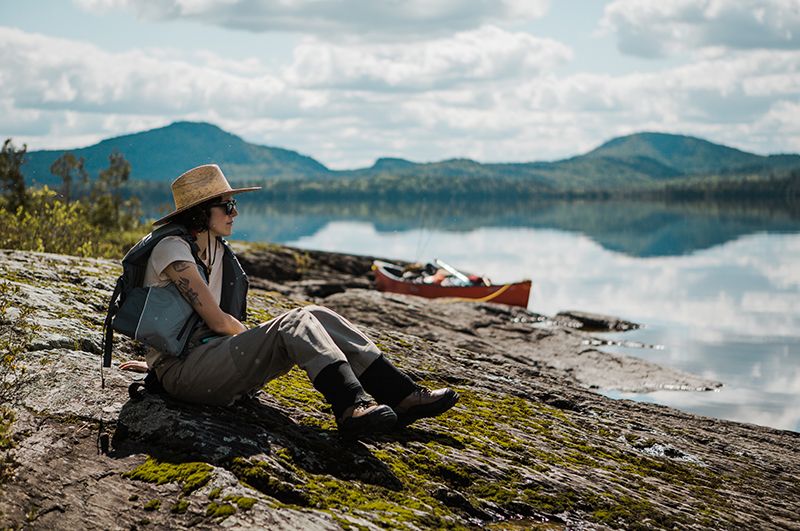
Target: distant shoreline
[[782, 188]]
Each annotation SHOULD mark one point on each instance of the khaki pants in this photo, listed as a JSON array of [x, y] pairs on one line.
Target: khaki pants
[[228, 368]]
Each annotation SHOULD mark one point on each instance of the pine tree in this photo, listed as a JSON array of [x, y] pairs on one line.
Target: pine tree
[[11, 179], [63, 167]]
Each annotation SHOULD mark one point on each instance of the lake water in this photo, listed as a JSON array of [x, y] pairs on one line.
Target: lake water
[[717, 286]]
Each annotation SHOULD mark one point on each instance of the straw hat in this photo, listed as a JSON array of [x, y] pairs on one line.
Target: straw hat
[[198, 185]]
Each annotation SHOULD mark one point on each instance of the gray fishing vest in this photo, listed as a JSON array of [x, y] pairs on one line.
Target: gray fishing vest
[[161, 317]]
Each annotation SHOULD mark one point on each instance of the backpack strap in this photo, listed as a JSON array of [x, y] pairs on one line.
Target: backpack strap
[[192, 241], [108, 330]]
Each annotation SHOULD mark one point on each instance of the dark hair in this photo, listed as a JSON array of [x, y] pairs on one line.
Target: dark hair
[[197, 217]]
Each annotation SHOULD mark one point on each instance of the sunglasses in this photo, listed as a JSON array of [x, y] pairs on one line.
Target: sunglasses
[[229, 206]]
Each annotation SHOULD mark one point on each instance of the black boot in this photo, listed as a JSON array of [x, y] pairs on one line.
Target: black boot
[[424, 403], [386, 383], [355, 414]]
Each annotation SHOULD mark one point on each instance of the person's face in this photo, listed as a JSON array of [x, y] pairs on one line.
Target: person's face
[[220, 222]]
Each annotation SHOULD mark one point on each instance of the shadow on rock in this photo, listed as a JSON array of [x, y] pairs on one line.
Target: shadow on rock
[[259, 443], [426, 436]]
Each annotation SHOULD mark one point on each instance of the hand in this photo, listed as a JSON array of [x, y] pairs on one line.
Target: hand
[[238, 326], [133, 365]]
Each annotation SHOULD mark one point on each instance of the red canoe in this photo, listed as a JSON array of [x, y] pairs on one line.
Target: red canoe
[[389, 277]]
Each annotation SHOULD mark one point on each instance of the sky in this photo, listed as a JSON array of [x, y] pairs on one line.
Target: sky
[[349, 81]]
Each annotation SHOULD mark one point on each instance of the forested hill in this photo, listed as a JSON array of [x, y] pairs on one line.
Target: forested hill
[[164, 153], [637, 160], [685, 154]]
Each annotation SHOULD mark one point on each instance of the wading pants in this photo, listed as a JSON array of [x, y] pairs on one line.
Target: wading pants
[[227, 368]]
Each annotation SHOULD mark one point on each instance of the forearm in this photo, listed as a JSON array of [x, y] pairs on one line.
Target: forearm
[[228, 326], [194, 289]]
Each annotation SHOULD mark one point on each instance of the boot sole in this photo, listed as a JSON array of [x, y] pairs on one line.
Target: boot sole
[[433, 409], [381, 420]]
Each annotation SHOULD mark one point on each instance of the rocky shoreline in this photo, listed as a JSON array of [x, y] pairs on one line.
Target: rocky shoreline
[[529, 445]]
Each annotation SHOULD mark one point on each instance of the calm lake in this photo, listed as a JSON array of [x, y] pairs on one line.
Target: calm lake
[[716, 286]]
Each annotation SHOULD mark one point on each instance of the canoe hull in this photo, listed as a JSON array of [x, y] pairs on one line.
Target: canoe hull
[[515, 294]]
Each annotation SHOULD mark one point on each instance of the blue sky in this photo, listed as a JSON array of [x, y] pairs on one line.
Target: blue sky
[[348, 81]]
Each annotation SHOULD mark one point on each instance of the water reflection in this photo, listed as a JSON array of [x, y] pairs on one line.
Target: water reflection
[[730, 313], [640, 229], [761, 376]]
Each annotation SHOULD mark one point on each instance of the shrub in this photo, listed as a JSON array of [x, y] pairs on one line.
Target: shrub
[[102, 224], [54, 226]]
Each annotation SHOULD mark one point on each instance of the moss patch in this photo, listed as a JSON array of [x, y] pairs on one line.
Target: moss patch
[[191, 476], [272, 302], [256, 316], [294, 390], [17, 330], [243, 502], [264, 477], [179, 507], [221, 510], [389, 509]]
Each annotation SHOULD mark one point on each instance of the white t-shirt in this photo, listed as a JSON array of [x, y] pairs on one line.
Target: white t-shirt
[[176, 249]]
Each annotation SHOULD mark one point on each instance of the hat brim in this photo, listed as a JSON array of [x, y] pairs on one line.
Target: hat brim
[[232, 191]]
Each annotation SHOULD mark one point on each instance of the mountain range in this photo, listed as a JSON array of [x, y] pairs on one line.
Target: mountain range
[[639, 159]]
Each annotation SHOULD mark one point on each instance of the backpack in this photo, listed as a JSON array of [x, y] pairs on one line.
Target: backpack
[[150, 314], [129, 284]]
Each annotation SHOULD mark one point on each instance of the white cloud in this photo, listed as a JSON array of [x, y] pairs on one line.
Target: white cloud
[[729, 99], [743, 77], [361, 19], [57, 76], [487, 94], [47, 73], [652, 29], [486, 54]]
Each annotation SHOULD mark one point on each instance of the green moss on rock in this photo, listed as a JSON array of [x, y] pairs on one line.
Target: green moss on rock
[[632, 513], [294, 390], [390, 509], [261, 476], [221, 510], [256, 316], [243, 502], [191, 476], [179, 507]]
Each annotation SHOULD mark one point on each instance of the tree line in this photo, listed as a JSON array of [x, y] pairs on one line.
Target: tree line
[[776, 186]]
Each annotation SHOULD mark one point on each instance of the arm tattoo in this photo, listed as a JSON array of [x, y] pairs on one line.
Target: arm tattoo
[[190, 294], [180, 266]]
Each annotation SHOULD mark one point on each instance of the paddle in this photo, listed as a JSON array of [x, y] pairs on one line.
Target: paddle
[[453, 271]]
